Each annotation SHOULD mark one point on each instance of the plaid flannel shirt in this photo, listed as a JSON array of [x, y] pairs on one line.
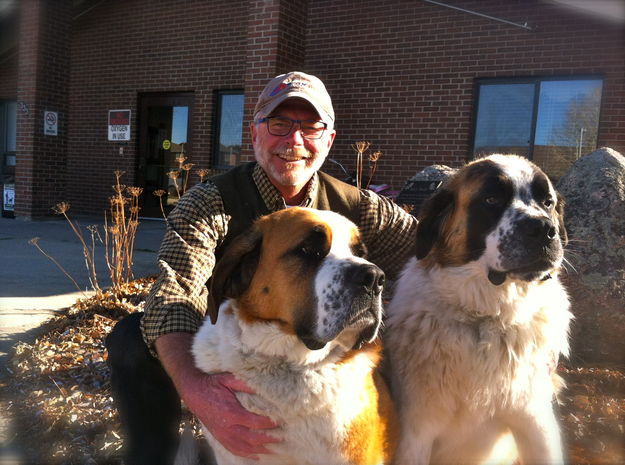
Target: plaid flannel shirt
[[178, 299]]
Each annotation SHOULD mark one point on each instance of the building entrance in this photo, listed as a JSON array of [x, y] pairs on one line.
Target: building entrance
[[164, 141]]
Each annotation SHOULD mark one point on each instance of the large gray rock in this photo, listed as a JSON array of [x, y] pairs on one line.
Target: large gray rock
[[434, 173], [594, 191]]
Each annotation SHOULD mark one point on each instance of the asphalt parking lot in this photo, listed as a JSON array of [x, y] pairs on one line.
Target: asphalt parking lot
[[33, 288]]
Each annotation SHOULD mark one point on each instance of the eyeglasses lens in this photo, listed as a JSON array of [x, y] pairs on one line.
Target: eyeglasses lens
[[279, 126]]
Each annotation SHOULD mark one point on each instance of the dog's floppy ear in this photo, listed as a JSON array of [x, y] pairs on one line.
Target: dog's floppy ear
[[431, 217], [560, 212], [234, 272]]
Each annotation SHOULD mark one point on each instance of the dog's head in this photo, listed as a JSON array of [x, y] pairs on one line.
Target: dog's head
[[502, 211], [305, 271]]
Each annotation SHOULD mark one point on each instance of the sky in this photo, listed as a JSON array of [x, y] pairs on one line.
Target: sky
[[179, 125]]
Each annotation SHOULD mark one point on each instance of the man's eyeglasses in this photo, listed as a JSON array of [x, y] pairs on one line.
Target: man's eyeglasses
[[282, 126]]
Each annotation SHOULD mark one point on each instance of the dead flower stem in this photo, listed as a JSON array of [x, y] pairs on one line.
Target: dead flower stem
[[35, 242]]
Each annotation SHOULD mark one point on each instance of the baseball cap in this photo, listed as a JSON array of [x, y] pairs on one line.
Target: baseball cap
[[294, 84]]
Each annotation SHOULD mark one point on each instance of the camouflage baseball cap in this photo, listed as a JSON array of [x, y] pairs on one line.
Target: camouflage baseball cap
[[295, 84]]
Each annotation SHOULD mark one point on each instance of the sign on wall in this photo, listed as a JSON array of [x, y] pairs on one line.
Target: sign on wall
[[119, 125], [8, 198], [50, 123]]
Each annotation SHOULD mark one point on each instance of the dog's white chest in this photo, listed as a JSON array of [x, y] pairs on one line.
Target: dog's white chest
[[462, 372], [312, 404]]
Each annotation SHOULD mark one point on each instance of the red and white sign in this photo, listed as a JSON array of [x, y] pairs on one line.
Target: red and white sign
[[119, 125], [50, 123]]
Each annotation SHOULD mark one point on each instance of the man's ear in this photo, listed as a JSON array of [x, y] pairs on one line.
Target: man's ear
[[331, 136], [431, 218], [234, 272], [253, 132]]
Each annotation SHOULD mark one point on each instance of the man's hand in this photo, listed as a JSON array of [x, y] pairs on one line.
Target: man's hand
[[212, 399]]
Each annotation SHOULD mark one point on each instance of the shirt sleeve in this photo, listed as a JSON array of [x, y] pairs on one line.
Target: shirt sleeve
[[388, 231], [178, 299]]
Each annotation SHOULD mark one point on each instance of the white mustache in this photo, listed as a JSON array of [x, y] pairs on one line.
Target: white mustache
[[294, 153]]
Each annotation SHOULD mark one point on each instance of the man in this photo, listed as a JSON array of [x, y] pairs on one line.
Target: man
[[292, 133]]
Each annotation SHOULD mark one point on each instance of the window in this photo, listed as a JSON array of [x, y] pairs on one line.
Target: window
[[8, 131], [8, 135], [229, 129], [550, 121]]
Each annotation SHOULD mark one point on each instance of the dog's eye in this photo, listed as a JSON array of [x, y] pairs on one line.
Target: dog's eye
[[359, 249], [492, 200], [310, 252], [548, 202]]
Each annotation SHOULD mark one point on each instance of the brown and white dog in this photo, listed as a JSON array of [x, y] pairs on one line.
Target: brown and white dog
[[299, 326], [479, 319]]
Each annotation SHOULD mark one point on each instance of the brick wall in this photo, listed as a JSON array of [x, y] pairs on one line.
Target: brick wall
[[122, 49], [276, 42], [401, 74], [42, 81]]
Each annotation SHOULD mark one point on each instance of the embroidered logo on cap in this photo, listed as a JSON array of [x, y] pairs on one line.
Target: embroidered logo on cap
[[279, 89], [286, 85]]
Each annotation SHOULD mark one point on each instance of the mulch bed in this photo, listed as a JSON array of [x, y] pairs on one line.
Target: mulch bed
[[59, 400]]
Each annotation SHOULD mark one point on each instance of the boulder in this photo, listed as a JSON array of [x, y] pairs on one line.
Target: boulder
[[434, 173], [594, 192]]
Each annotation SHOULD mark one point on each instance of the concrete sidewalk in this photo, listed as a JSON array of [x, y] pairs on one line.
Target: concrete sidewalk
[[33, 288]]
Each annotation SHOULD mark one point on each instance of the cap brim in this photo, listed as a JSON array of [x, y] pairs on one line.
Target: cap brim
[[266, 110]]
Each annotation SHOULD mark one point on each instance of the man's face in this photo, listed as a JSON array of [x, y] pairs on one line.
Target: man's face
[[291, 160]]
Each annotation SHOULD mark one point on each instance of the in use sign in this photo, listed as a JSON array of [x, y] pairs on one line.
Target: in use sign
[[119, 125]]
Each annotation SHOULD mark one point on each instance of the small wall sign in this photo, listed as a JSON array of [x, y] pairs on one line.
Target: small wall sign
[[8, 198], [50, 123], [119, 125]]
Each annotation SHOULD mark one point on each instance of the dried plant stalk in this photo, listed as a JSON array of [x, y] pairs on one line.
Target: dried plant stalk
[[160, 193], [373, 166], [174, 175], [61, 209], [121, 232], [35, 242], [202, 173], [187, 169], [119, 238], [360, 147]]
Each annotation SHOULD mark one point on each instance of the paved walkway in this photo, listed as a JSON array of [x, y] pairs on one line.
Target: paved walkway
[[33, 289]]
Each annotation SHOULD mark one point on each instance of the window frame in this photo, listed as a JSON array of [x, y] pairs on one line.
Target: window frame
[[217, 109], [536, 80]]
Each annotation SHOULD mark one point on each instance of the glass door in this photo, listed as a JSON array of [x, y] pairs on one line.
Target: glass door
[[164, 122]]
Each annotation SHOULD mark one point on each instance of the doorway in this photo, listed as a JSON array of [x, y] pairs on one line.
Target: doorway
[[8, 144], [164, 141]]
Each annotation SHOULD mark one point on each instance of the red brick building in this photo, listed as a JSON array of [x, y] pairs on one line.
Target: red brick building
[[425, 82]]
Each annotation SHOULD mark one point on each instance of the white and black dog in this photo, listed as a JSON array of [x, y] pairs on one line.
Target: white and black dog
[[479, 319]]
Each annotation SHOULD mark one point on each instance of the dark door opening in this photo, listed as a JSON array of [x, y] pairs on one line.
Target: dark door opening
[[8, 140], [164, 138]]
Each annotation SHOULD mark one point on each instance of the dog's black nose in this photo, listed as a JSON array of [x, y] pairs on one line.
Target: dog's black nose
[[369, 276], [539, 229]]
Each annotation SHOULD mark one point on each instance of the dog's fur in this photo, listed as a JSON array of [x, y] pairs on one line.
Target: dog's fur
[[479, 319], [299, 326]]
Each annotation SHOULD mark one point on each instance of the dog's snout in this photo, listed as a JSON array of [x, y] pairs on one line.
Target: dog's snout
[[539, 229], [369, 276]]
